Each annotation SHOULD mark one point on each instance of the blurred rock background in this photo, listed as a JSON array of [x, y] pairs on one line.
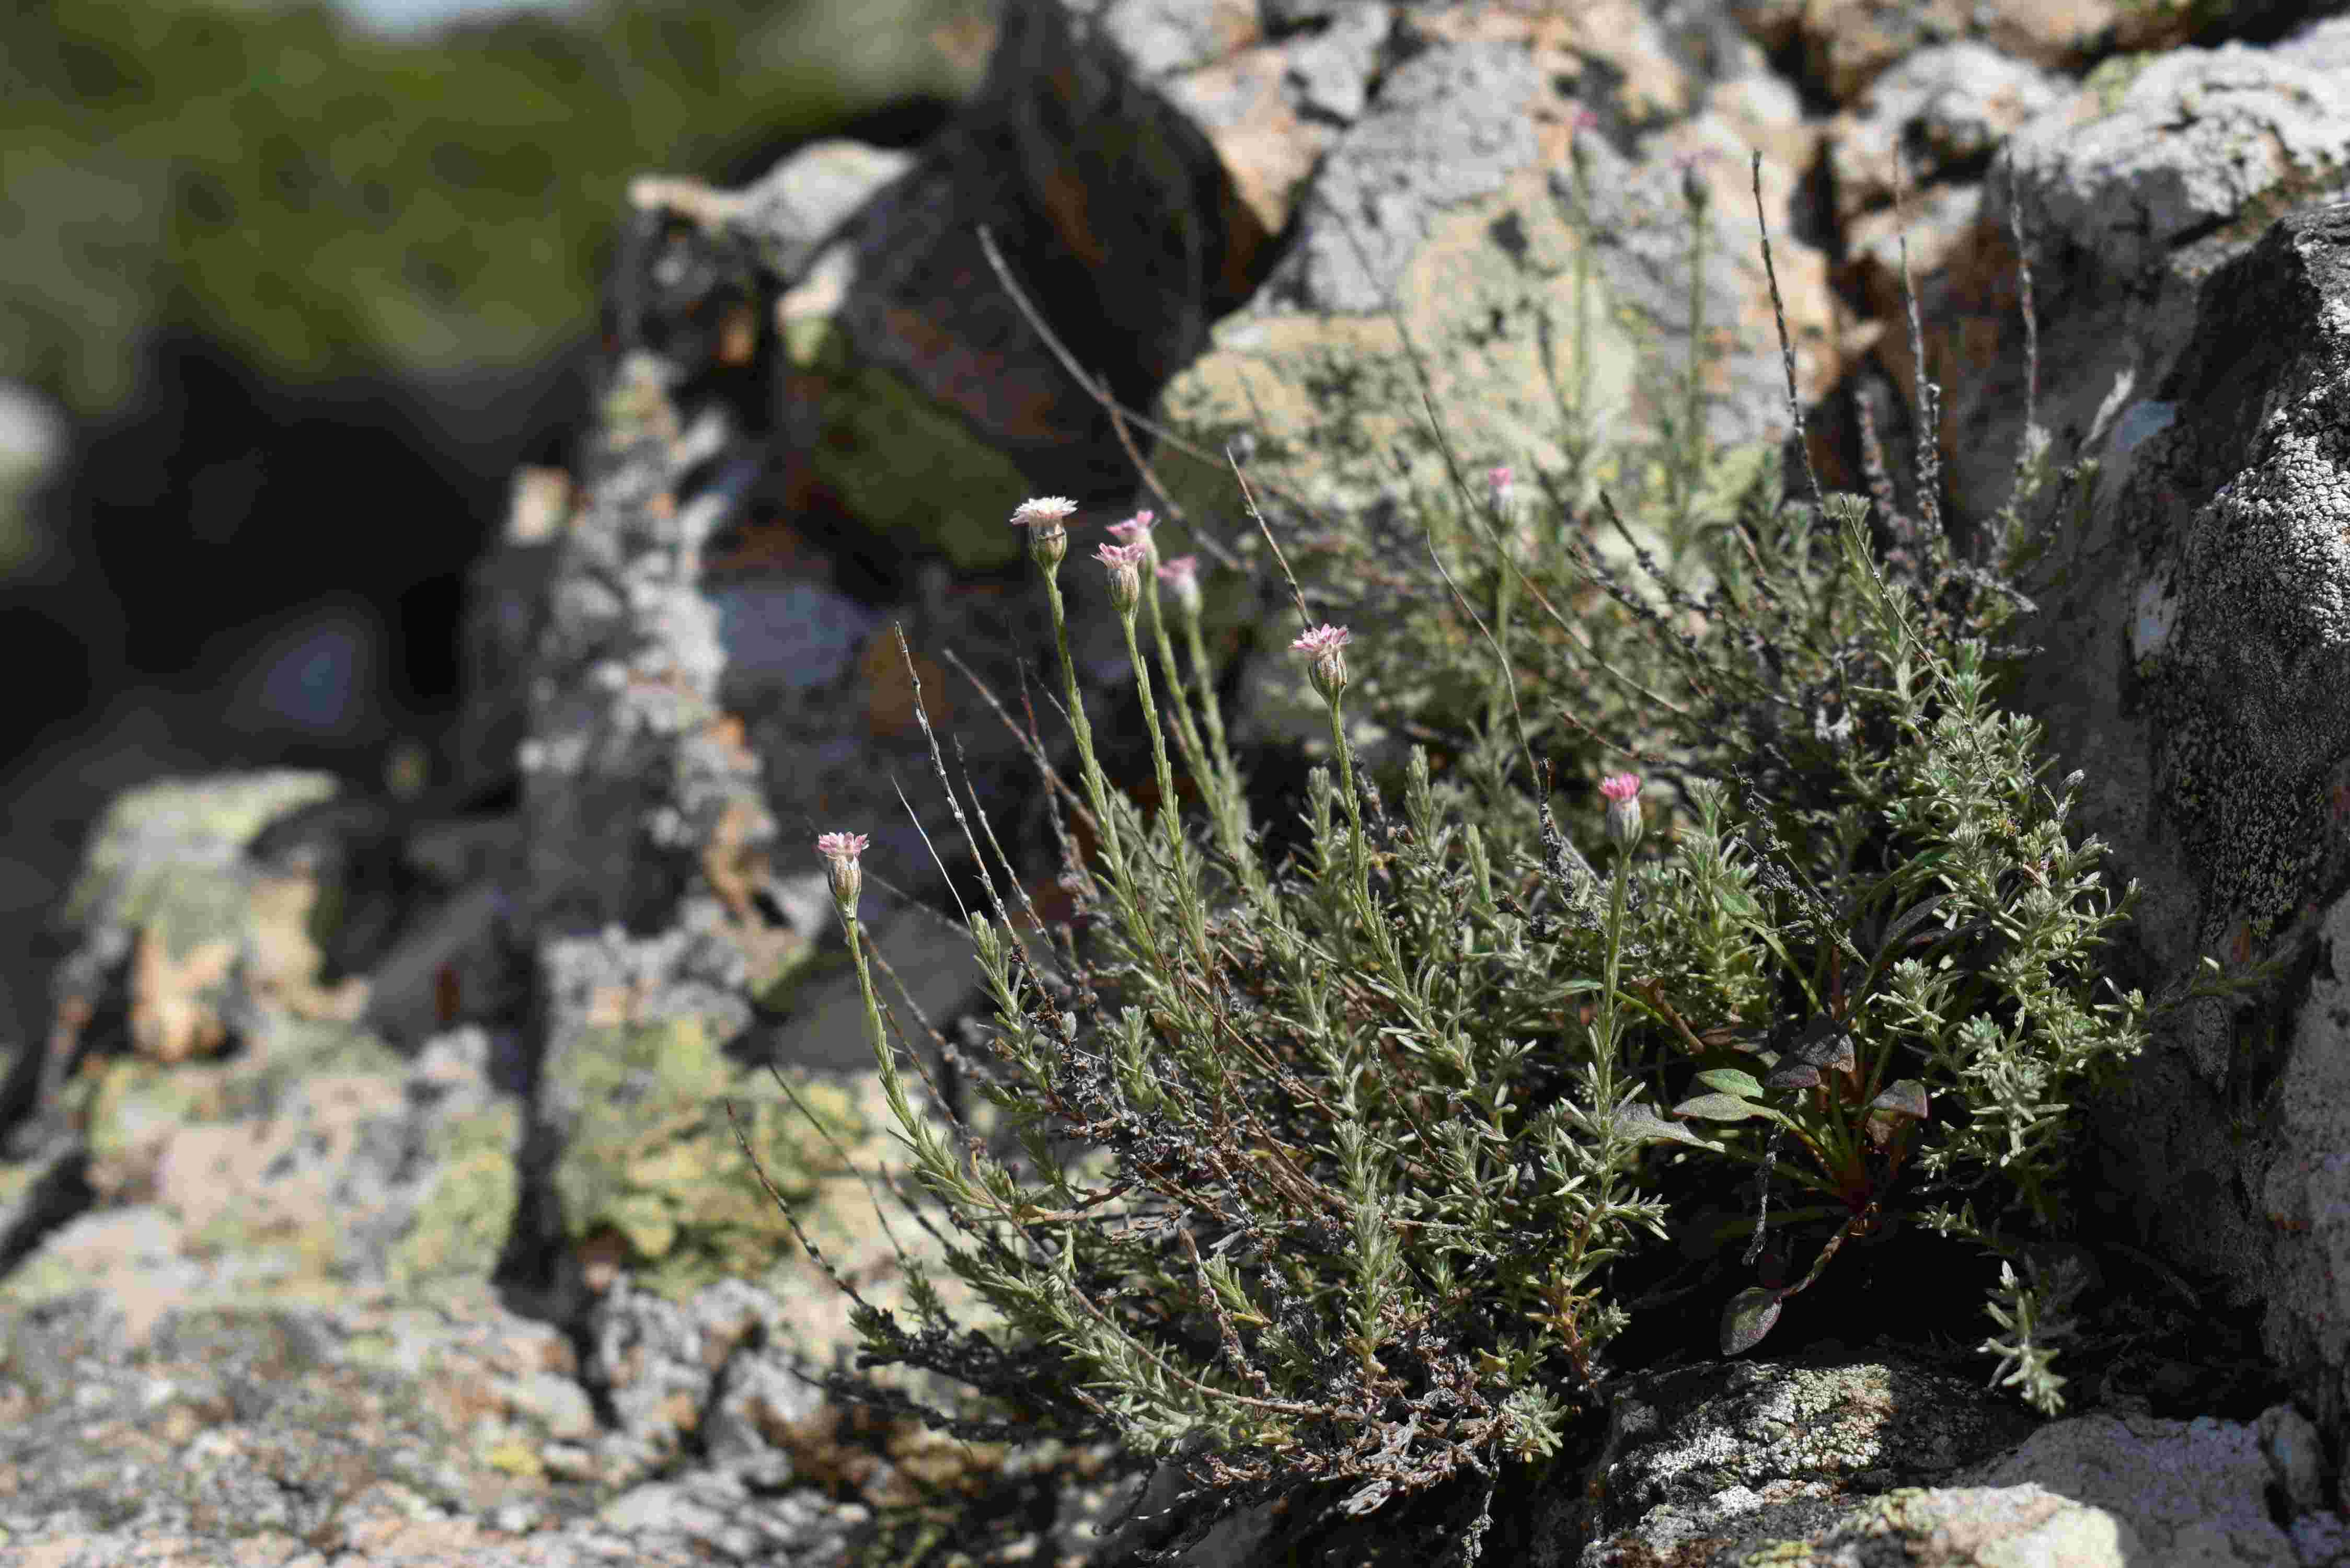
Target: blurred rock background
[[290, 291]]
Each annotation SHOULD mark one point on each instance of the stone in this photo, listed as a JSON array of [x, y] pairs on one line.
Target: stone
[[2128, 209], [1938, 112], [1447, 204], [2208, 578]]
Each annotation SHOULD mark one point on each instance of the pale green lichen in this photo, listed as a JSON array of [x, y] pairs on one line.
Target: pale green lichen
[[652, 1157]]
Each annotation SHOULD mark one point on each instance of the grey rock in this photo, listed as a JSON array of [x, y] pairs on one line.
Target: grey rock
[[1447, 129], [556, 1403], [1751, 1452], [1332, 73], [1939, 108], [2127, 212], [799, 204], [648, 1358], [1162, 37], [2204, 615]]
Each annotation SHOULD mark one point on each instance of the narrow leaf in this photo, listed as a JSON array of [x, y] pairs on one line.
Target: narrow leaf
[[1751, 1315], [1907, 921]]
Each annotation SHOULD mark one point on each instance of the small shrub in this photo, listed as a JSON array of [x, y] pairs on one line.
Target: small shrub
[[1322, 1183]]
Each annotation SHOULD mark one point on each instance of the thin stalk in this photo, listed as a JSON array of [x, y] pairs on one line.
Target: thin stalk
[[1187, 887]]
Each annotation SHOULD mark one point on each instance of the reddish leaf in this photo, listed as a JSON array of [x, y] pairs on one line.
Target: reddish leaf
[[1904, 1101]]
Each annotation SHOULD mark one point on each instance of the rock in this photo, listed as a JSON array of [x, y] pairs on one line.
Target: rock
[[1742, 1453], [1449, 199], [1938, 112], [1849, 42], [2128, 208], [2207, 580]]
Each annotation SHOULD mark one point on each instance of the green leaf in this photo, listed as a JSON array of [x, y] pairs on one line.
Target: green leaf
[[1731, 1080], [1751, 1313], [1724, 1108], [1643, 1125]]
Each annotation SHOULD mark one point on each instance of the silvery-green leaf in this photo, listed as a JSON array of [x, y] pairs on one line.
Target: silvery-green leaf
[[1731, 1080], [1643, 1125], [1722, 1108], [1751, 1315]]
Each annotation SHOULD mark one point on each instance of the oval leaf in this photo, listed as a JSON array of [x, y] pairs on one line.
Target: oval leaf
[[1793, 1076], [1901, 1103], [1643, 1125], [1731, 1080], [1825, 1044], [1903, 1097], [1751, 1315]]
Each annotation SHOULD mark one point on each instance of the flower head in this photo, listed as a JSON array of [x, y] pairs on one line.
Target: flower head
[[1124, 562], [840, 851], [1581, 131], [1181, 577], [1694, 189], [1501, 483], [1047, 518], [1135, 530], [1325, 646], [1624, 821]]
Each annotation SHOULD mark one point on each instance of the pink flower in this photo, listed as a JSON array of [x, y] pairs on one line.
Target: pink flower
[[1125, 579], [1500, 483], [1043, 512], [1135, 530], [1623, 821], [1325, 646], [1045, 517], [840, 851], [1181, 577]]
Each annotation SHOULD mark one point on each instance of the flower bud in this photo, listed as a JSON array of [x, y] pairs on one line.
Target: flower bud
[[1501, 485], [1583, 126], [1181, 577], [1124, 562], [1624, 820], [1136, 530], [1326, 645], [1045, 517], [840, 851], [1694, 189]]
